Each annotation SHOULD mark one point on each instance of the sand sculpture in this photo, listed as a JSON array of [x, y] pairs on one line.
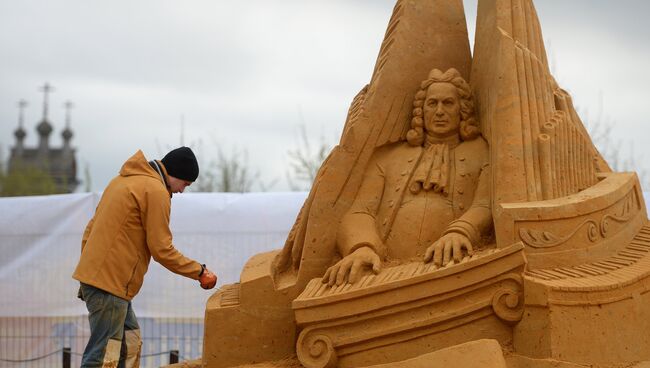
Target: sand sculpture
[[464, 212]]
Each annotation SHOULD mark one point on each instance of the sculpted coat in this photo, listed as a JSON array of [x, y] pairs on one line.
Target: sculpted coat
[[400, 223]]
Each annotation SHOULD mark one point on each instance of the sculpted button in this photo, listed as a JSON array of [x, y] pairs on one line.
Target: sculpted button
[[462, 158], [460, 191], [461, 206]]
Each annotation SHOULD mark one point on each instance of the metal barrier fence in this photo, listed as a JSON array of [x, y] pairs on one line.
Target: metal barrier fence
[[39, 249], [35, 342]]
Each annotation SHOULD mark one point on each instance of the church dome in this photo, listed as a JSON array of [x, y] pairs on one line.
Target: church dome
[[67, 134], [44, 128], [20, 133]]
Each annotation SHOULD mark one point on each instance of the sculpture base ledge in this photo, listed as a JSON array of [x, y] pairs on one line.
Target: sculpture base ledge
[[592, 314], [486, 352], [250, 322]]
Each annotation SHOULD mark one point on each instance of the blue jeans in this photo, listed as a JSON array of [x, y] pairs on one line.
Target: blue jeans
[[110, 319]]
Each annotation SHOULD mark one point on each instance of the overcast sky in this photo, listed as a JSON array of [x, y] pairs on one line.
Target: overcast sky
[[246, 74]]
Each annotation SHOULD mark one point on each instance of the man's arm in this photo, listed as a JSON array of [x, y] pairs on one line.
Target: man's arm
[[155, 219], [89, 228], [84, 240]]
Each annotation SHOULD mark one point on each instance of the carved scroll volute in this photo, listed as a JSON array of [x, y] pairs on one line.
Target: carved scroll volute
[[315, 350], [508, 300]]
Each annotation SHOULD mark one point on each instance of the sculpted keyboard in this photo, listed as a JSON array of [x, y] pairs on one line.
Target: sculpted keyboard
[[628, 265]]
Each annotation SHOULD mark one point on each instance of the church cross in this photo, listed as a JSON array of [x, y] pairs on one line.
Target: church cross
[[68, 107], [21, 112], [46, 89]]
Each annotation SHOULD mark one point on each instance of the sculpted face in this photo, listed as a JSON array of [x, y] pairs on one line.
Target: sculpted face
[[442, 110]]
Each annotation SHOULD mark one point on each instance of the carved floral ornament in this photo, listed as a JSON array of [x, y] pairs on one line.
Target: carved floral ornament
[[595, 230]]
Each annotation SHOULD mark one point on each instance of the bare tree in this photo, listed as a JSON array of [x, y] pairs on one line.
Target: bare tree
[[228, 173], [305, 160]]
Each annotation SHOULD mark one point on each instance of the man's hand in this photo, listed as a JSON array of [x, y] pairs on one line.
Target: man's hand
[[349, 268], [208, 279], [448, 246]]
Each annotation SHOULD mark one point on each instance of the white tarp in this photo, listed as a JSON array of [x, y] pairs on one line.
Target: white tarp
[[40, 244]]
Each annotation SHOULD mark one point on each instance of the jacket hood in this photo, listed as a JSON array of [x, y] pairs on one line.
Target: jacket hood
[[138, 165]]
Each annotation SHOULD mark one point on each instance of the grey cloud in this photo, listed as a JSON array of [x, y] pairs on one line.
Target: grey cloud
[[240, 72]]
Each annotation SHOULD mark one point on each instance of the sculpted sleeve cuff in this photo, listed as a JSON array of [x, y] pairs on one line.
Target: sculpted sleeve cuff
[[475, 223], [465, 228], [358, 230]]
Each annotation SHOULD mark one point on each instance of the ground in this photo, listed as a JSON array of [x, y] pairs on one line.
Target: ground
[[285, 363]]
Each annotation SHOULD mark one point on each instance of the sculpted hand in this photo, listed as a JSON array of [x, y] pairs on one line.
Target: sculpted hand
[[208, 279], [349, 268], [448, 246]]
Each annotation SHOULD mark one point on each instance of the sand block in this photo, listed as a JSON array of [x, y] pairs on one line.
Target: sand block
[[484, 353]]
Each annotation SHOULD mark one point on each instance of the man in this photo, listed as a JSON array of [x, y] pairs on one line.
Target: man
[[131, 225], [426, 198]]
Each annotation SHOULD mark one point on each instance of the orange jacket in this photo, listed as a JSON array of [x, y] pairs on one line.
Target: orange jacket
[[131, 225]]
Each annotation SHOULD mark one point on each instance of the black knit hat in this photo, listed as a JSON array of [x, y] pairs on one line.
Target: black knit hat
[[181, 163]]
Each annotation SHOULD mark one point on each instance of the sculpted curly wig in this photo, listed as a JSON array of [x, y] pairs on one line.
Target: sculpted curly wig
[[469, 128]]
